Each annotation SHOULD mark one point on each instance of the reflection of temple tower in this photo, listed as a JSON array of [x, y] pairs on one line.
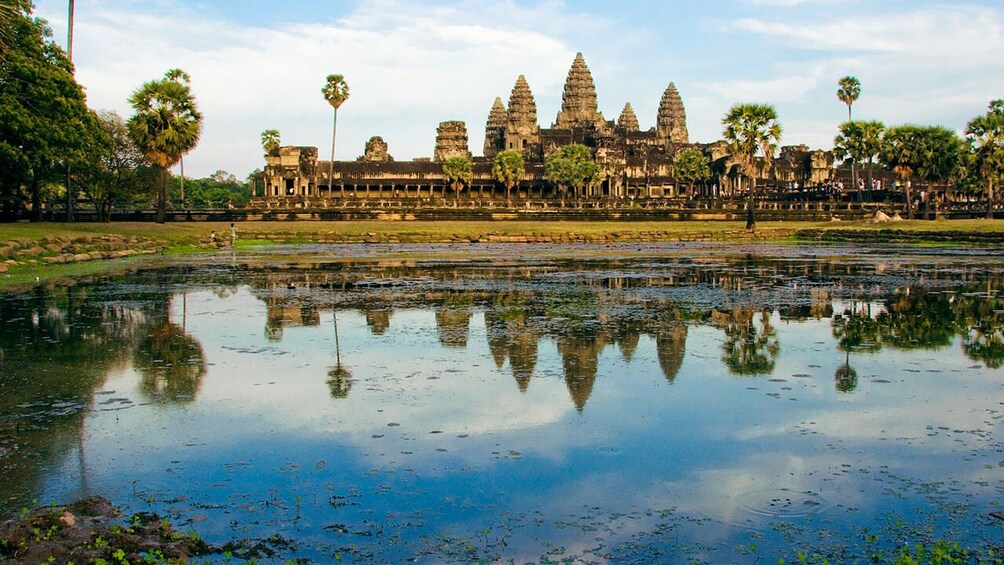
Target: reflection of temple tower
[[453, 325], [509, 335], [580, 358], [670, 344], [378, 320], [281, 313]]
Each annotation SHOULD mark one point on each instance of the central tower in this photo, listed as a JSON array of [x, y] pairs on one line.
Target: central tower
[[578, 101]]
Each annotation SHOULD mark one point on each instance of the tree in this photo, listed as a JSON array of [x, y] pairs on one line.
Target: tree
[[859, 142], [930, 153], [458, 171], [114, 175], [166, 125], [508, 168], [690, 166], [10, 11], [573, 166], [270, 141], [986, 140], [752, 130], [336, 92], [44, 121], [850, 89]]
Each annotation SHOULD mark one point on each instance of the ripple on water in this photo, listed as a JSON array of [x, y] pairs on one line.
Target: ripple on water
[[782, 503]]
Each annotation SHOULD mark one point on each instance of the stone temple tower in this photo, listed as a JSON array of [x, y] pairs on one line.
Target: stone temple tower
[[522, 133], [578, 101], [495, 129], [628, 121], [671, 123], [451, 141]]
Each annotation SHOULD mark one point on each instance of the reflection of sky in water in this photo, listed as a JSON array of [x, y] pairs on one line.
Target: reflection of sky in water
[[435, 445]]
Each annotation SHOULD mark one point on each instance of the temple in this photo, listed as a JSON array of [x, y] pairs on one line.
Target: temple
[[634, 164]]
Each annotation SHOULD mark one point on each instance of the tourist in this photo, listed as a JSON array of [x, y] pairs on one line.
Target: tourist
[[212, 237], [233, 234]]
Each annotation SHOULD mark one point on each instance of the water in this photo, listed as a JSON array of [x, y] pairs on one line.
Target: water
[[618, 403]]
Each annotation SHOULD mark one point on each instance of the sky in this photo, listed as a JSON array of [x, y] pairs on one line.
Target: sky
[[260, 64]]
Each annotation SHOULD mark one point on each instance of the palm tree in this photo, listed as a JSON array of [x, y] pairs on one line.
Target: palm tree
[[336, 92], [270, 140], [751, 130], [859, 142], [508, 168], [850, 89], [986, 137], [458, 171], [167, 124], [848, 93]]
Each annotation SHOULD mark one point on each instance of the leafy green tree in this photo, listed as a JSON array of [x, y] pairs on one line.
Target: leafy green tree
[[751, 131], [270, 141], [458, 171], [690, 166], [859, 142], [167, 124], [115, 175], [10, 10], [45, 124], [336, 92], [749, 350], [218, 190], [508, 168], [986, 139], [572, 167], [929, 153]]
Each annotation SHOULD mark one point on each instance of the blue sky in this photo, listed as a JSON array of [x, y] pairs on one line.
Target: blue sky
[[260, 64]]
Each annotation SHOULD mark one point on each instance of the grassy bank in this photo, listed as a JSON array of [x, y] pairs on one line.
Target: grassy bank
[[31, 250]]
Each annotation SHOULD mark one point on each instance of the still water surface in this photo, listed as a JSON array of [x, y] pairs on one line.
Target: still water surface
[[607, 404]]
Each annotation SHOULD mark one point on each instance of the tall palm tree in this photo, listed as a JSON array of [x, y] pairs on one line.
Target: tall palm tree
[[986, 137], [270, 140], [752, 130], [508, 168], [69, 31], [167, 124], [848, 93], [336, 92], [850, 89]]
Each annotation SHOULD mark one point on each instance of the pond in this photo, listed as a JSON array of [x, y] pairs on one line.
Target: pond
[[607, 403]]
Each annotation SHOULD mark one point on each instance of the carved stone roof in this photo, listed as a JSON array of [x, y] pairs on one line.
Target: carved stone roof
[[628, 121], [495, 128], [578, 101], [451, 141], [376, 150], [671, 123], [522, 107]]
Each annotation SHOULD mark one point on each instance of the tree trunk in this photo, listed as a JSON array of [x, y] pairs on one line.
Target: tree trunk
[[69, 195], [990, 198], [36, 199], [331, 165], [750, 220], [162, 197], [907, 188]]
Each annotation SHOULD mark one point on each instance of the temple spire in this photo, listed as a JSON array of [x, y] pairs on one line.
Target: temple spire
[[671, 123], [578, 101], [522, 131], [495, 129], [628, 121]]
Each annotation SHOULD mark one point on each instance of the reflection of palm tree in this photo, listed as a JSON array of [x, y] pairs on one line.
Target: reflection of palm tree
[[747, 349], [339, 378], [171, 364], [918, 319], [846, 378], [857, 330]]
